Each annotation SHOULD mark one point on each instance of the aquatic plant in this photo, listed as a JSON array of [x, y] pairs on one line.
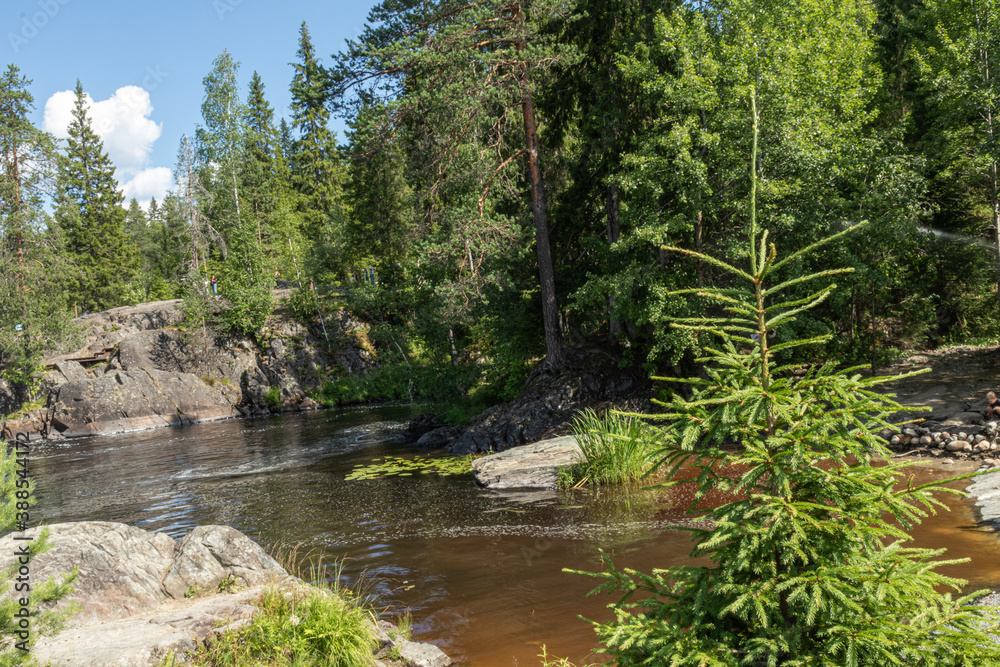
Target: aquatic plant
[[615, 448], [391, 466]]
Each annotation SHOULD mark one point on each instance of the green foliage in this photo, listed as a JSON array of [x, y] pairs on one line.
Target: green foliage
[[615, 448], [406, 467], [15, 491], [34, 274], [89, 212], [228, 584], [808, 563], [304, 629], [398, 382], [273, 397]]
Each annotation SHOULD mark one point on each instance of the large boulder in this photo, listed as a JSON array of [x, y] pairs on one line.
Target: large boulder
[[132, 589], [533, 466], [122, 401], [144, 597], [124, 570]]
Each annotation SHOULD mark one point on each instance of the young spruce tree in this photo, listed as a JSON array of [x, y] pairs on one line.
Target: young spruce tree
[[808, 563]]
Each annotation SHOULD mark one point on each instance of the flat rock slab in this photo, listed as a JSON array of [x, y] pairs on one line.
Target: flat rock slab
[[146, 639], [534, 466], [126, 571]]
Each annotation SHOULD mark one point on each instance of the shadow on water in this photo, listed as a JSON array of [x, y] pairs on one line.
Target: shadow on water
[[481, 572]]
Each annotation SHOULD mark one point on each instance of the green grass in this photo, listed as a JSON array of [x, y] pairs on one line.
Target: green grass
[[615, 450], [302, 629]]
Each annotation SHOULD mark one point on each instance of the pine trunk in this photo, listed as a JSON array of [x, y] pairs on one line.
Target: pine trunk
[[614, 230], [546, 273]]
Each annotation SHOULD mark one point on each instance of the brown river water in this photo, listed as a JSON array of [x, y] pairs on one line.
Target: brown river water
[[481, 573]]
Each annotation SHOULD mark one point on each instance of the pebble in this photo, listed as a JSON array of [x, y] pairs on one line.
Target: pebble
[[956, 445], [947, 462], [926, 440]]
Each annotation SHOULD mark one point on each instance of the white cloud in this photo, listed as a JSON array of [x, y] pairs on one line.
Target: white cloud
[[149, 183], [123, 124]]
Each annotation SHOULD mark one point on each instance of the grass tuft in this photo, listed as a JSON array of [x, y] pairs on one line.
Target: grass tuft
[[615, 448], [313, 628]]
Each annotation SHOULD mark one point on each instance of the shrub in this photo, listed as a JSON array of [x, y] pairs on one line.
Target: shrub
[[273, 397], [615, 450], [402, 382], [304, 628], [808, 563]]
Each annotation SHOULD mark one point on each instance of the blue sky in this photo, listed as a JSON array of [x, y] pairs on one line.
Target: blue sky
[[142, 63]]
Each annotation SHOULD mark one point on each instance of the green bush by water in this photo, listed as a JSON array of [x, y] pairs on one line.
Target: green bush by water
[[273, 397], [809, 563], [615, 450]]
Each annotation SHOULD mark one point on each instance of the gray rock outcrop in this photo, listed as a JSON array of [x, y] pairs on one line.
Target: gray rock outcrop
[[985, 489], [533, 466], [590, 378], [144, 596], [124, 570], [138, 370]]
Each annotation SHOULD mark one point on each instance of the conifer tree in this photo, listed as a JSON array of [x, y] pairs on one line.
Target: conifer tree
[[32, 298], [316, 169], [806, 569], [477, 67], [222, 148], [91, 216]]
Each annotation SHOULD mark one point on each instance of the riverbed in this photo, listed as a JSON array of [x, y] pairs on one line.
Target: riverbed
[[481, 573]]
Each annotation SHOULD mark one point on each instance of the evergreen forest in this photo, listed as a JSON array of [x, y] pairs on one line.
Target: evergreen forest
[[515, 176]]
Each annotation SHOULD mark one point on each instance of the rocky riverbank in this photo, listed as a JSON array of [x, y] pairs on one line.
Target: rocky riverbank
[[590, 378], [139, 369], [143, 596]]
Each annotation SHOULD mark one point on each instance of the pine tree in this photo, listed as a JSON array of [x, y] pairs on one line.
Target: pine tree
[[470, 65], [259, 169], [91, 216], [33, 315]]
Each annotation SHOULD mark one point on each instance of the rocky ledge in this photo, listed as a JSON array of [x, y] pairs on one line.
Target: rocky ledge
[[528, 466], [139, 370], [590, 378], [144, 596]]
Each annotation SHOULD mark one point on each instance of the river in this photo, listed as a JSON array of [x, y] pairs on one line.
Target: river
[[481, 573]]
